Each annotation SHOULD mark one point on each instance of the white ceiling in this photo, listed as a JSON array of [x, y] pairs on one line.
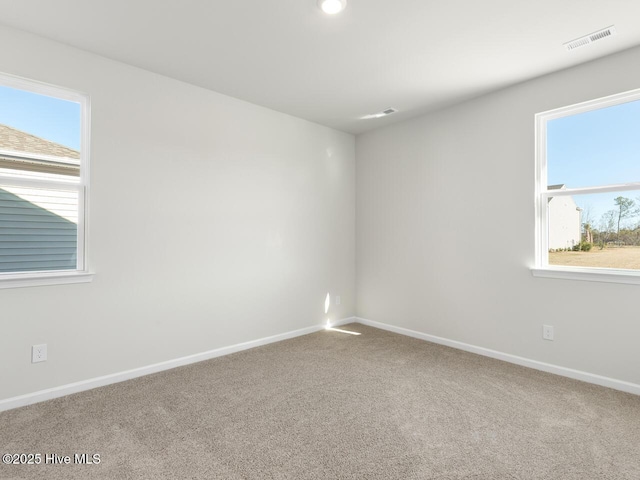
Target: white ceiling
[[413, 55]]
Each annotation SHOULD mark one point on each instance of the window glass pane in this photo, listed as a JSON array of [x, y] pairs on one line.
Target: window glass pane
[[38, 229], [600, 147], [42, 190], [600, 230], [39, 125], [39, 135]]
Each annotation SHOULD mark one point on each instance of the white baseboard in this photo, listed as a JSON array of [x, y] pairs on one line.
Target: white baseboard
[[89, 384], [61, 391], [525, 362]]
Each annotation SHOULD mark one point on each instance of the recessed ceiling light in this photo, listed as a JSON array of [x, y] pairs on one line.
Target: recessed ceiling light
[[381, 114], [332, 6]]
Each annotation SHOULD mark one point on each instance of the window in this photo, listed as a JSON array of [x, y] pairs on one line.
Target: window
[[588, 190], [43, 184]]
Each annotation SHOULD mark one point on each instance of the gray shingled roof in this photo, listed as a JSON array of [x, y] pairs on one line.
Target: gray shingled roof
[[18, 141]]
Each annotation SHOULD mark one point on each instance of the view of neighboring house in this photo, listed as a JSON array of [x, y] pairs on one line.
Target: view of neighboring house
[[14, 140], [38, 226], [564, 220]]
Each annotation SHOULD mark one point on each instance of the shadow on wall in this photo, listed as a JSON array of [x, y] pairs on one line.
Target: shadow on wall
[[33, 238]]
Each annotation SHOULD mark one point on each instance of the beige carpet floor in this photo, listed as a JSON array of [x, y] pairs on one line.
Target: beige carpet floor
[[336, 406]]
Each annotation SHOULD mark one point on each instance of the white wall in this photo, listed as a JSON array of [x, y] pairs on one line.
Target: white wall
[[445, 230], [212, 222]]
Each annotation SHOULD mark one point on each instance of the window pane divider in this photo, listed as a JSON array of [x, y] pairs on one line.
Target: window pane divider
[[622, 187]]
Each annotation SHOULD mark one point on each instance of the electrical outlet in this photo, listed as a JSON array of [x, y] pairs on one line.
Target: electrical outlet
[[39, 353], [337, 300], [547, 332]]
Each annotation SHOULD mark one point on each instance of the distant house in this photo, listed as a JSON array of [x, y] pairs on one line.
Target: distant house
[[14, 140], [565, 219], [33, 238], [38, 227]]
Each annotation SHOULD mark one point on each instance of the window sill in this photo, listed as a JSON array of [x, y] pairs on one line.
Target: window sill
[[17, 280], [607, 275]]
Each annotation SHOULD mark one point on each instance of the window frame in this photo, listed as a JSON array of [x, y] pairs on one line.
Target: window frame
[[542, 193], [56, 277]]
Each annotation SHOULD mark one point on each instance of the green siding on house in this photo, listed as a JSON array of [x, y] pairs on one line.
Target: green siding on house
[[33, 238]]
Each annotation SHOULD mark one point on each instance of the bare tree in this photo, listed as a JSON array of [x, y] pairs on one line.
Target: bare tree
[[607, 226], [626, 209], [587, 223]]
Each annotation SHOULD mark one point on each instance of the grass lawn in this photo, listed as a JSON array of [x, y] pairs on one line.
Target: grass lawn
[[609, 257]]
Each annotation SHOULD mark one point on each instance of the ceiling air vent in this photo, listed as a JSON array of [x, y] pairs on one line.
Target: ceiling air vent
[[589, 39]]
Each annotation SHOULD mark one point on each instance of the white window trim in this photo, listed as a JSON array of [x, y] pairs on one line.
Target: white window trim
[[607, 275], [542, 267], [82, 273], [31, 279]]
